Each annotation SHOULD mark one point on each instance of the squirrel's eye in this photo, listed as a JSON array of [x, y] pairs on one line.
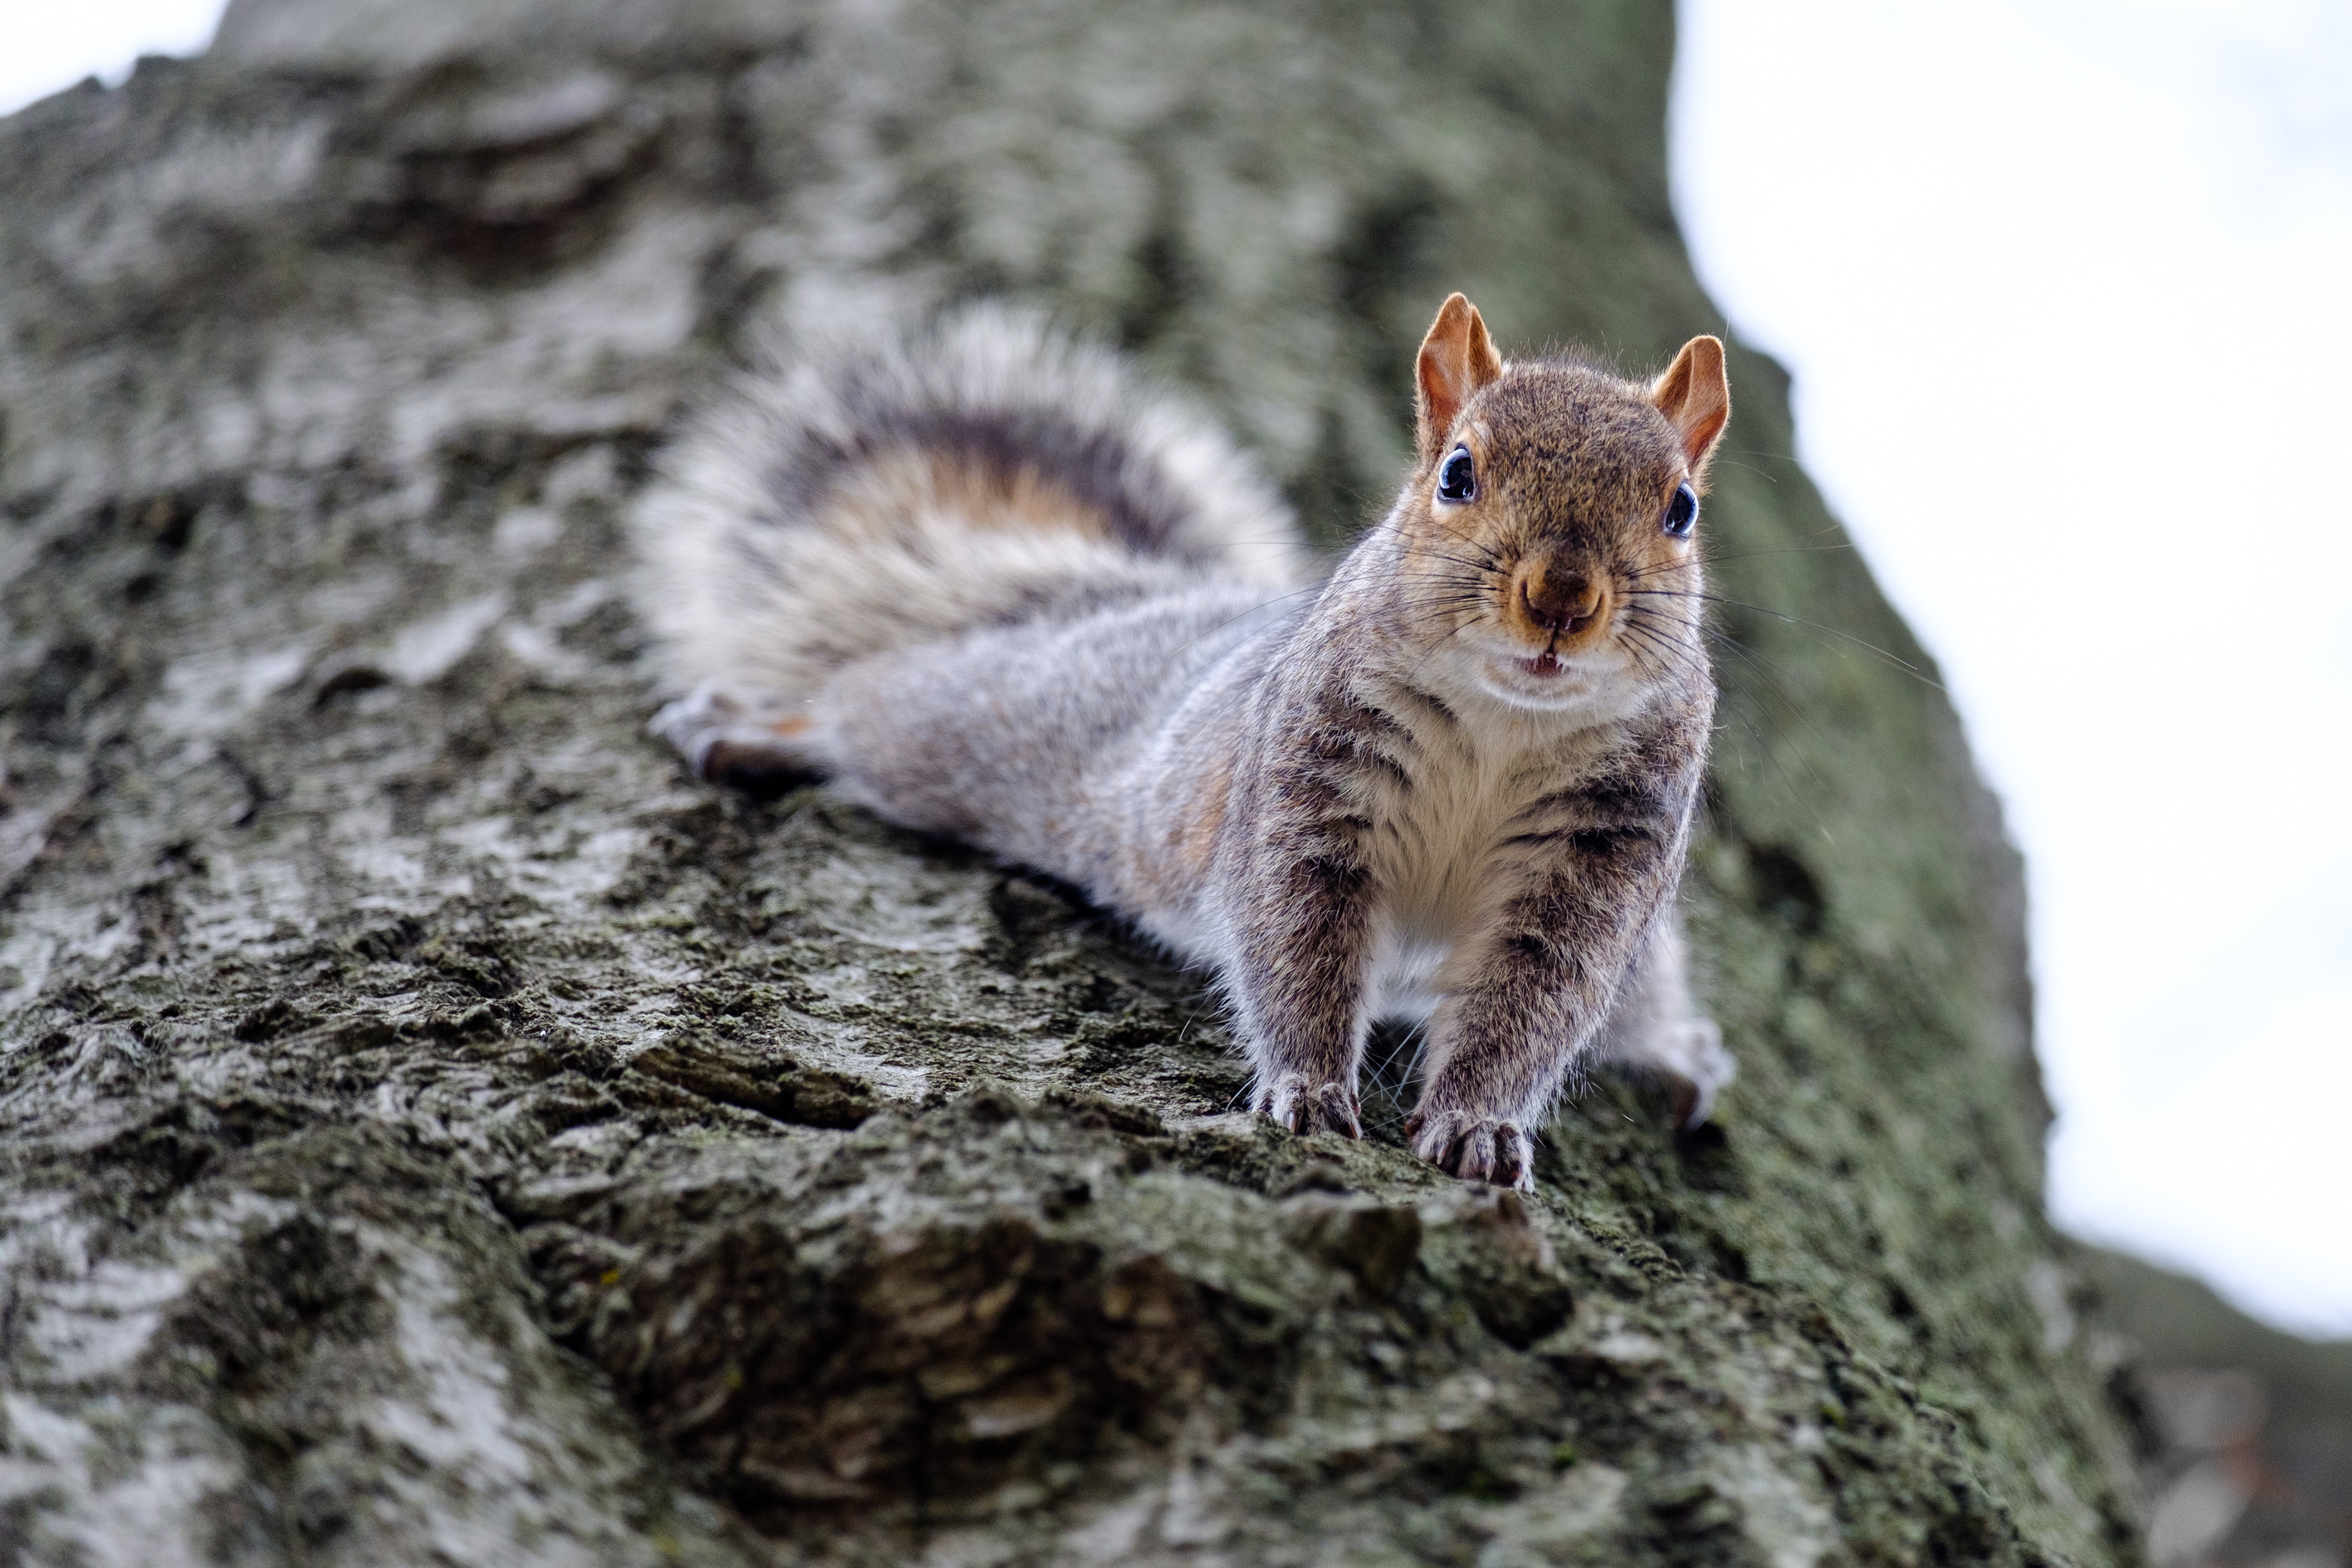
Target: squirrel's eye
[[1458, 481], [1682, 513]]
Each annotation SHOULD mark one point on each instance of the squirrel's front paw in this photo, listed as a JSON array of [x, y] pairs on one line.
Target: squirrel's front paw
[[750, 742], [1303, 1108], [1475, 1148]]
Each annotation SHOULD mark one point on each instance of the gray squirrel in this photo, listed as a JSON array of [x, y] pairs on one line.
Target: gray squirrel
[[990, 585]]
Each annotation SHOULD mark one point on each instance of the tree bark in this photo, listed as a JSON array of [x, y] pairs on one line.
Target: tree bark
[[438, 1130]]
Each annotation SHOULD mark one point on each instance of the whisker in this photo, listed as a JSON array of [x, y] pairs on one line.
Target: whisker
[[1677, 656], [1898, 660], [1666, 642], [1643, 628], [1772, 675], [1487, 569], [1473, 543], [1705, 557], [1432, 648]]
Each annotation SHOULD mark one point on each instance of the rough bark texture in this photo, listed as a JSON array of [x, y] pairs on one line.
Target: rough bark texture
[[436, 1130]]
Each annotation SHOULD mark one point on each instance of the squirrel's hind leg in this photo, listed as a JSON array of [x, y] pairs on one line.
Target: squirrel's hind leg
[[1657, 1029], [758, 741]]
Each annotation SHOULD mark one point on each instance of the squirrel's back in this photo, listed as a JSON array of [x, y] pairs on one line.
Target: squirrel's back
[[883, 491]]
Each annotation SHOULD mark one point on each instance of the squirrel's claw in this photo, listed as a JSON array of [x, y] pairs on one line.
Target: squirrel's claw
[[729, 738], [1475, 1148], [1695, 1070], [1303, 1109]]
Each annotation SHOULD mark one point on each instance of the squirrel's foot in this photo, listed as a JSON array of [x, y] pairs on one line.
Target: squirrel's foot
[[1303, 1108], [1475, 1148], [1691, 1062], [749, 742]]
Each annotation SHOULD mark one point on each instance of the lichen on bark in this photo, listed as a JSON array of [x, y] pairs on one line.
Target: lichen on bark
[[436, 1128]]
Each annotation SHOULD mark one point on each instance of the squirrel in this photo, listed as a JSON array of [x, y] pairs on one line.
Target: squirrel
[[989, 583]]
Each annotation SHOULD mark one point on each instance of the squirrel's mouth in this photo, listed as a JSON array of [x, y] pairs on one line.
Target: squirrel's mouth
[[1543, 664]]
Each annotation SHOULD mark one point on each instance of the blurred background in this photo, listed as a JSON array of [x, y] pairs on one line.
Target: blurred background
[[2062, 287]]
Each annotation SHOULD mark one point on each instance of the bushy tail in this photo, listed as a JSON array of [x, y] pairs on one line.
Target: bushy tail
[[868, 494]]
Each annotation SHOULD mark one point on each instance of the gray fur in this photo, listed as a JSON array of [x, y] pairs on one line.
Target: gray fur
[[761, 569], [1325, 797]]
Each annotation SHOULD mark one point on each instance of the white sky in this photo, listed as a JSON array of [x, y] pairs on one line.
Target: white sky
[[2062, 285], [47, 48], [2064, 289]]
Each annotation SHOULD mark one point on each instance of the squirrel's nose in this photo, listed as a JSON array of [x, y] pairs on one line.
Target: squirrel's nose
[[1559, 600]]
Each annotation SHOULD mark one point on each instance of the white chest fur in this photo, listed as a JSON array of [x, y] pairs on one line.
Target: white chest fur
[[1443, 859]]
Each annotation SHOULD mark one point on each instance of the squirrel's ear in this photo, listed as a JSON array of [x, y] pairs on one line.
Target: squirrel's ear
[[1457, 358], [1696, 398]]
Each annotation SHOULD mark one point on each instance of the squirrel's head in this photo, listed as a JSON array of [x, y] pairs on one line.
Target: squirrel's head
[[1551, 523]]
